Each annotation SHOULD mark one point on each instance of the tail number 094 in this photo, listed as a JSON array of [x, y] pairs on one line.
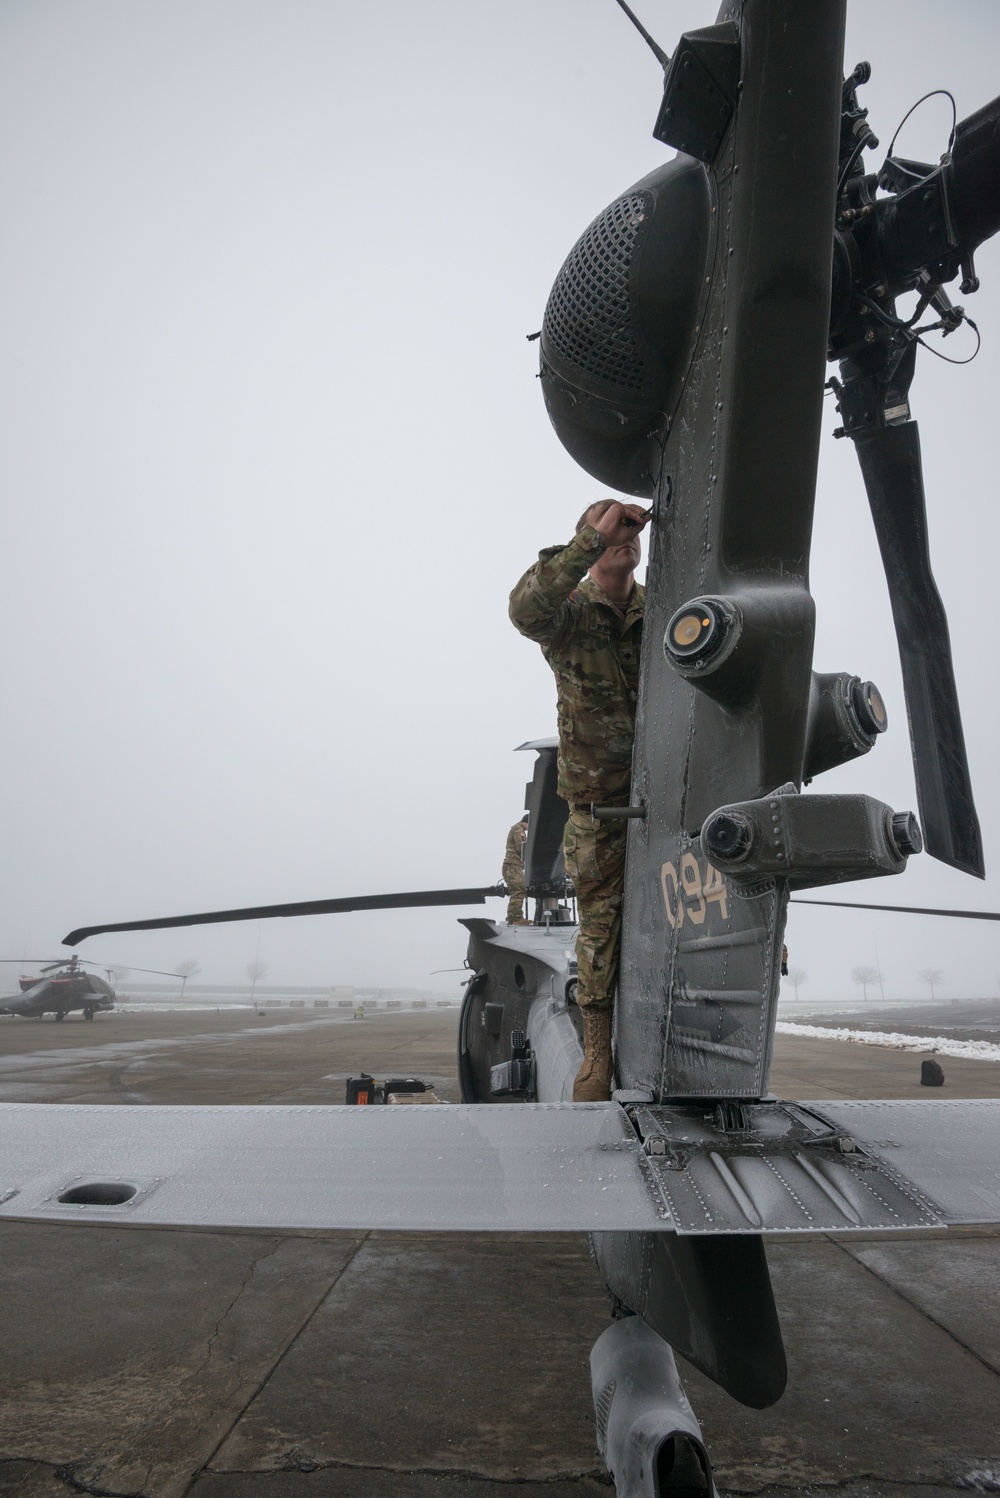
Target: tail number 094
[[689, 894]]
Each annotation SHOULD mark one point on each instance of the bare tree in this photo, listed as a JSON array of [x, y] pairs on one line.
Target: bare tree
[[862, 976], [187, 969], [932, 976], [118, 975], [257, 968], [796, 977]]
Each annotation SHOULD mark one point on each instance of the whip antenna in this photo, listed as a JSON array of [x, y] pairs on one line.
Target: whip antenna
[[654, 47]]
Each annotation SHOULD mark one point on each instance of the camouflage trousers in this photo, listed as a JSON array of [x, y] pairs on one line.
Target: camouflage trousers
[[513, 877], [595, 861]]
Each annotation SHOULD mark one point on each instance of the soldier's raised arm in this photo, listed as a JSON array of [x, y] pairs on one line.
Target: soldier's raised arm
[[538, 604]]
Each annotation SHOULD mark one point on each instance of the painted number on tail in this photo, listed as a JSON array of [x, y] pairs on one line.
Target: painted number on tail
[[689, 894]]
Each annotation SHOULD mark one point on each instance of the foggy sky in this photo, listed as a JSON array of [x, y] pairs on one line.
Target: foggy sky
[[274, 454]]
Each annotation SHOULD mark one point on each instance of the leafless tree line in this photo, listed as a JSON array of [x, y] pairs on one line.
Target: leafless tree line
[[866, 976]]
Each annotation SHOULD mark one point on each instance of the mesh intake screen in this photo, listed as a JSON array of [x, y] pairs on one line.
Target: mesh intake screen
[[588, 320]]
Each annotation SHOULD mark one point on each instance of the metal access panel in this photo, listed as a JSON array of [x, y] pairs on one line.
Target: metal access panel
[[774, 1167]]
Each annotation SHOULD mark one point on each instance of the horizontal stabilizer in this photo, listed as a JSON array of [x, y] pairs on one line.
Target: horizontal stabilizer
[[499, 1167], [949, 1149], [478, 1168]]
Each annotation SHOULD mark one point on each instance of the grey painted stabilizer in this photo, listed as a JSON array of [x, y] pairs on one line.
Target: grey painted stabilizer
[[531, 1167], [647, 1432]]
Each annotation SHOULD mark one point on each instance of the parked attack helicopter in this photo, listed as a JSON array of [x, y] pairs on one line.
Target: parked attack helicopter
[[62, 988], [683, 361]]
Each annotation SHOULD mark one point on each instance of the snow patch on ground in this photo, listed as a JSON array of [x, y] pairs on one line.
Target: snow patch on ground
[[938, 1045]]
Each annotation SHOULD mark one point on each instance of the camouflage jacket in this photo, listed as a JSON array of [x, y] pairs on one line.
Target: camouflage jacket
[[594, 651], [513, 858]]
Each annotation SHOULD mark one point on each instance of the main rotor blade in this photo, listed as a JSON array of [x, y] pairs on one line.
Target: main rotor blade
[[299, 907], [967, 915], [890, 463], [91, 962], [109, 967]]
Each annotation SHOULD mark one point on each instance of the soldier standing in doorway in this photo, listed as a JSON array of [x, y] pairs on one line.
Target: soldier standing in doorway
[[582, 605], [513, 871]]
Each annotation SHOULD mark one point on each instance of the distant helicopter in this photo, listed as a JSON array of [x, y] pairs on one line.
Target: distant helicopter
[[683, 354], [63, 988]]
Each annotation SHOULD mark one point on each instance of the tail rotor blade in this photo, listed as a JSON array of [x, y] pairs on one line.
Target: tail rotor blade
[[890, 464]]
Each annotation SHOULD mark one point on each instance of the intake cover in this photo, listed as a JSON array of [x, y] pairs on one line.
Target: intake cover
[[619, 326]]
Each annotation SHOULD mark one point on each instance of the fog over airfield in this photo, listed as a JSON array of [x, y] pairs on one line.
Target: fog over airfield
[[274, 454]]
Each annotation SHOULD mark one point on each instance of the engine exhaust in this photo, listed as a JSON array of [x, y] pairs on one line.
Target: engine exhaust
[[647, 1433]]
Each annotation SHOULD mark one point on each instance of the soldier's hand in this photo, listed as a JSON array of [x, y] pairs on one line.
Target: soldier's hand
[[611, 525]]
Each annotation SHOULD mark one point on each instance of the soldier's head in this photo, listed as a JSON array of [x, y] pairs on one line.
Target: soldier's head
[[524, 820], [593, 512], [621, 559]]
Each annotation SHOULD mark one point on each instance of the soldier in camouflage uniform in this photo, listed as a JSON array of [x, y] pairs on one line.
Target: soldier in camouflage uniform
[[590, 631], [513, 870]]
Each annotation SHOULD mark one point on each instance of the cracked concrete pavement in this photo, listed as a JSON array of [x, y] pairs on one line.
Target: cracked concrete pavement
[[876, 1388], [128, 1352], [208, 1365], [412, 1309]]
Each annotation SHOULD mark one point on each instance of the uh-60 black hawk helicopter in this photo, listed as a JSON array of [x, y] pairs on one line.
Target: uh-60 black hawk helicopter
[[684, 352]]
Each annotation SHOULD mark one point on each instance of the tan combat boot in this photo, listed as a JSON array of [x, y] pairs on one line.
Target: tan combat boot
[[593, 1080]]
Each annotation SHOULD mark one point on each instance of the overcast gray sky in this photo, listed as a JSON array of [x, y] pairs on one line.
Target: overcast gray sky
[[274, 454]]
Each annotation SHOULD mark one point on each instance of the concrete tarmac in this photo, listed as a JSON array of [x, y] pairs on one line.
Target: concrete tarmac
[[217, 1365]]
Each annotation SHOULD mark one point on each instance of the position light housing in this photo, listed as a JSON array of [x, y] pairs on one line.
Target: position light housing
[[867, 702], [690, 632], [700, 635]]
